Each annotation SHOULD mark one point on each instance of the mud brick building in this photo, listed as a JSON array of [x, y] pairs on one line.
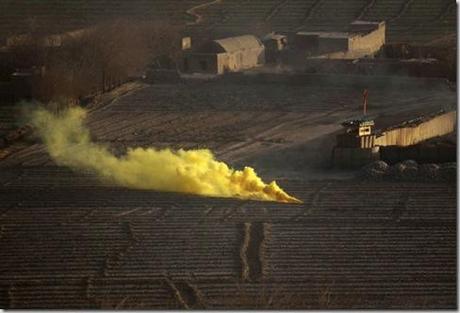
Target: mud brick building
[[231, 54], [361, 40]]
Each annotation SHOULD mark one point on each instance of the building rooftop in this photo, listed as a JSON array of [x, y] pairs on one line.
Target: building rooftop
[[230, 44], [358, 122], [364, 27], [326, 34], [356, 28], [233, 44], [361, 22], [274, 37]]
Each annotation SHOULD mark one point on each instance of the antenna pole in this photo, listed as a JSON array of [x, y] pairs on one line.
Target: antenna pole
[[365, 94]]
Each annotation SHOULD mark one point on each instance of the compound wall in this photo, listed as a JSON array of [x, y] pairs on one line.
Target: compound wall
[[368, 44], [200, 63], [219, 63], [414, 133]]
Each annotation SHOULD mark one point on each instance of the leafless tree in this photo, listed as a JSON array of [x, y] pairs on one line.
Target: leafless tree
[[98, 57]]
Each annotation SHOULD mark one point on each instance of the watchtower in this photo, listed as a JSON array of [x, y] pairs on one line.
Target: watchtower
[[356, 146], [358, 134]]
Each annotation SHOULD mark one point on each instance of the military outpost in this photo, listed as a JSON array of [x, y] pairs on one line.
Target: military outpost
[[228, 154], [361, 143]]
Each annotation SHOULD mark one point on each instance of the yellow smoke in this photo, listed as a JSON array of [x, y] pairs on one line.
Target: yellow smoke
[[189, 171]]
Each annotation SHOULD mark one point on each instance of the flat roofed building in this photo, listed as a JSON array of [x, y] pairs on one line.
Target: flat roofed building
[[275, 42], [362, 39]]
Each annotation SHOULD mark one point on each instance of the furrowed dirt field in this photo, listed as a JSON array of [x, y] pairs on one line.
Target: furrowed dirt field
[[70, 241], [413, 21]]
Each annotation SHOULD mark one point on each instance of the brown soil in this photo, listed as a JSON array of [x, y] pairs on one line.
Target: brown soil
[[69, 241]]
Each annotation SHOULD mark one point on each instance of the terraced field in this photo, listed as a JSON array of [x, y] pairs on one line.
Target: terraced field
[[68, 240]]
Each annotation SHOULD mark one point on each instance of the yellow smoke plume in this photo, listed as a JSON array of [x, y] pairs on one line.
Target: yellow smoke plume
[[69, 143]]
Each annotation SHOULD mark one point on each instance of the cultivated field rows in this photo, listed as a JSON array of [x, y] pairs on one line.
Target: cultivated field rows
[[348, 239], [75, 14], [141, 293], [407, 20], [414, 21], [69, 240], [242, 122]]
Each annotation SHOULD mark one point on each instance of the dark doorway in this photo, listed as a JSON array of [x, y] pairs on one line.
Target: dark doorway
[[186, 65], [203, 65]]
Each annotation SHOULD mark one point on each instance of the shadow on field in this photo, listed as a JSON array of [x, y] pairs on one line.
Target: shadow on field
[[309, 160]]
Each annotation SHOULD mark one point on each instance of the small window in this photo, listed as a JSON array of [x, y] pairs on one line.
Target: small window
[[364, 131]]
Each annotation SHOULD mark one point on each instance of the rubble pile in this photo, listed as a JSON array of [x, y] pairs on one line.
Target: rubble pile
[[409, 170]]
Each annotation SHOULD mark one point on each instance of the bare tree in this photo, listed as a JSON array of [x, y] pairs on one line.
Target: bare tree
[[99, 57]]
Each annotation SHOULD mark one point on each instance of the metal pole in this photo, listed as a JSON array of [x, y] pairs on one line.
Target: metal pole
[[365, 94]]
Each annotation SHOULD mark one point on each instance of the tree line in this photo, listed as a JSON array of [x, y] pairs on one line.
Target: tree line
[[93, 59]]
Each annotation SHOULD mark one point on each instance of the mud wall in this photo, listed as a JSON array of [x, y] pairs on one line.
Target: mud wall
[[330, 45], [200, 63], [412, 134], [219, 63], [374, 67], [357, 82], [368, 44], [240, 60], [305, 42], [353, 47]]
